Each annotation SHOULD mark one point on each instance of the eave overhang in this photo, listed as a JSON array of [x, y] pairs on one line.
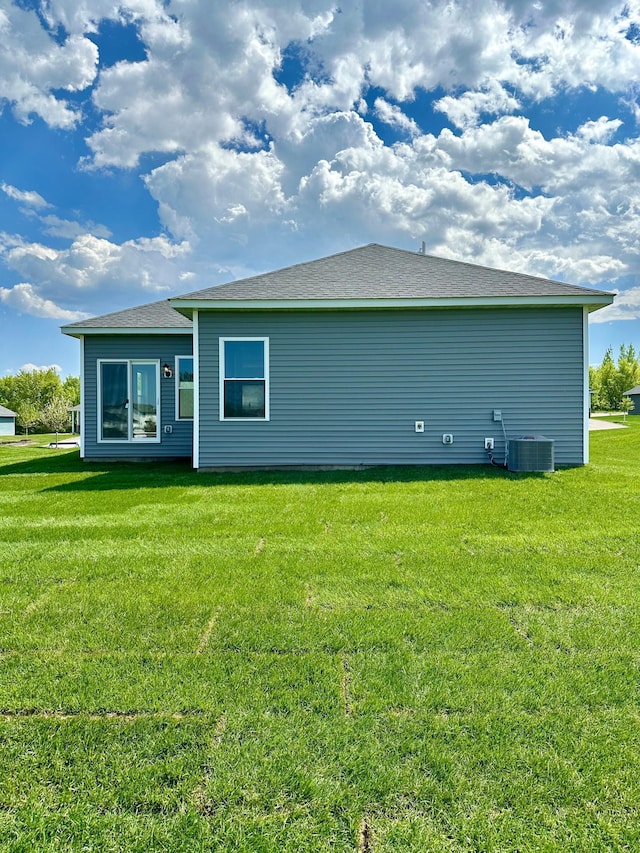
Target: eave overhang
[[79, 332], [591, 302]]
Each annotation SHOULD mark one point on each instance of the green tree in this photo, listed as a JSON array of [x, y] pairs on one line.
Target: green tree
[[38, 388], [608, 384], [594, 387], [7, 396], [628, 369], [71, 390], [609, 381], [28, 415], [626, 406], [55, 415]]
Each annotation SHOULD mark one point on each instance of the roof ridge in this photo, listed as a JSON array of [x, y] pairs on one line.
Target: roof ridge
[[415, 266]]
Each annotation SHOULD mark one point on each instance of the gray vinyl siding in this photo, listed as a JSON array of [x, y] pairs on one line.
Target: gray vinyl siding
[[346, 387], [161, 347], [7, 426]]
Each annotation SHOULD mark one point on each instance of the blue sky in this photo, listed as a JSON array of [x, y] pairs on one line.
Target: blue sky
[[155, 147]]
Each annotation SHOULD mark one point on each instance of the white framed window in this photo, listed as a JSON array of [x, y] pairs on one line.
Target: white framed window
[[128, 400], [244, 379], [184, 387]]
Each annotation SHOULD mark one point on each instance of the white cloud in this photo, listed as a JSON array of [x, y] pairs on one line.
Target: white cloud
[[25, 299], [210, 64], [256, 174], [465, 110], [625, 307], [53, 225], [28, 197], [33, 66], [199, 193], [84, 17], [209, 68], [93, 271], [57, 227], [30, 368], [393, 116], [599, 131]]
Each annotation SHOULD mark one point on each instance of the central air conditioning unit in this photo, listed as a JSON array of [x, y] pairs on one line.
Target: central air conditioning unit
[[531, 453]]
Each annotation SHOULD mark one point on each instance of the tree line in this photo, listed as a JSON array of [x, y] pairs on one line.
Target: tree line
[[610, 380], [40, 399]]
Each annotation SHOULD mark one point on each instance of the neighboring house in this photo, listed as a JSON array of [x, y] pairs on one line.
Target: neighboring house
[[371, 356], [634, 395], [74, 411], [7, 421]]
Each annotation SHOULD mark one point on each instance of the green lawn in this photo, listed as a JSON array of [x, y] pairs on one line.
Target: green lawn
[[438, 659]]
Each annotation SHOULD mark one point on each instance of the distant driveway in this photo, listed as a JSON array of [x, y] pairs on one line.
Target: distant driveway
[[596, 423]]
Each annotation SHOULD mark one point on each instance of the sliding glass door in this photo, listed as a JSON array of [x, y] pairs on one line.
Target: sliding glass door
[[144, 405], [114, 386], [128, 400]]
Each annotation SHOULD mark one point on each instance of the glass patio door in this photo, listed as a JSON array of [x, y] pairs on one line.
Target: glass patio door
[[144, 421], [129, 400]]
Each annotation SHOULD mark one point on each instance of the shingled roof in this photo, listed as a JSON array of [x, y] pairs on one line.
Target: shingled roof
[[7, 413], [381, 272], [153, 315], [369, 276]]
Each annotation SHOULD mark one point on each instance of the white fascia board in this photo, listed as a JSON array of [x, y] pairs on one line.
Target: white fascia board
[[594, 302], [122, 330], [586, 393], [196, 392], [82, 397]]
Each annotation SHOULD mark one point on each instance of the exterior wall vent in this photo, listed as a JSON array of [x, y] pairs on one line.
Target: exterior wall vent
[[531, 453]]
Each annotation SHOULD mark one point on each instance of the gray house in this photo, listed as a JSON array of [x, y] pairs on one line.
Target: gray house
[[371, 356], [7, 421], [634, 395]]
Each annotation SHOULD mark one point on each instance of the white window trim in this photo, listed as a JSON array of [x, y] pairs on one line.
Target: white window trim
[[265, 379], [176, 374], [130, 439]]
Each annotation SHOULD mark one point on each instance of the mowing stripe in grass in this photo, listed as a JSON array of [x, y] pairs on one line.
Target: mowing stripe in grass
[[345, 686], [44, 597], [219, 730], [200, 800], [517, 627], [38, 714], [365, 839], [310, 599], [206, 634]]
